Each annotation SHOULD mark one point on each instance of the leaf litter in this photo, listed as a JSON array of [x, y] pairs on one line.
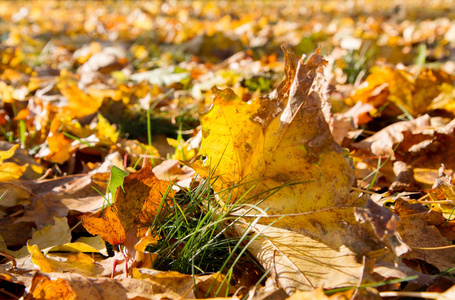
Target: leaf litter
[[335, 182]]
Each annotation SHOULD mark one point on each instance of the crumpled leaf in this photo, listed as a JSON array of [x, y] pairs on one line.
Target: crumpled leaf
[[412, 91], [384, 223], [418, 230], [171, 170], [272, 142], [262, 143], [181, 283], [420, 143]]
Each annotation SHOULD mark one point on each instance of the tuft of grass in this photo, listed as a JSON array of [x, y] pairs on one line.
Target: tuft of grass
[[196, 235]]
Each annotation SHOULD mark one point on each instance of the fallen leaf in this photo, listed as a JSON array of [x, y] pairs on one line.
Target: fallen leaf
[[384, 223], [84, 244], [107, 226], [75, 286], [279, 147], [44, 288], [80, 264], [56, 197], [136, 206], [9, 170], [384, 141], [412, 91], [171, 170], [21, 157], [262, 143], [417, 232]]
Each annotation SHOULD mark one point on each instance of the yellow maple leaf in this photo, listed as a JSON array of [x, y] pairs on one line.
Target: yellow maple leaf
[[275, 141], [277, 151]]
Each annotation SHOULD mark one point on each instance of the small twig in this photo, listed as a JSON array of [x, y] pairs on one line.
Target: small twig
[[186, 293], [423, 197], [114, 267], [436, 202], [126, 261], [2, 291], [15, 214], [363, 191], [428, 295], [48, 171], [434, 248], [13, 260]]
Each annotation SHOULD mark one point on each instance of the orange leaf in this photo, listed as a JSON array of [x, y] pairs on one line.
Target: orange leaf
[[45, 288], [140, 202], [135, 208], [108, 227], [59, 148]]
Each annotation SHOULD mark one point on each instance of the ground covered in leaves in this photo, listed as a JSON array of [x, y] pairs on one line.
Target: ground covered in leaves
[[172, 149]]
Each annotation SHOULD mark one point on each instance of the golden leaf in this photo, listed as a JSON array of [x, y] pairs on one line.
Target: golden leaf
[[9, 170], [81, 263], [279, 147], [278, 140]]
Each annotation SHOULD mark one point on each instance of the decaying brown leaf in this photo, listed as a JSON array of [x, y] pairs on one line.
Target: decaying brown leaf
[[419, 231], [384, 223]]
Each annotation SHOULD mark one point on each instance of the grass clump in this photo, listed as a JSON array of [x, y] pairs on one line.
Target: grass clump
[[196, 235]]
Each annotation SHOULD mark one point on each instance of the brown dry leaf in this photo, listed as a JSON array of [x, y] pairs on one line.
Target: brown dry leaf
[[384, 141], [417, 143], [182, 283], [108, 226], [52, 235], [417, 229], [171, 170], [140, 202], [56, 197], [272, 142], [15, 234], [384, 223]]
